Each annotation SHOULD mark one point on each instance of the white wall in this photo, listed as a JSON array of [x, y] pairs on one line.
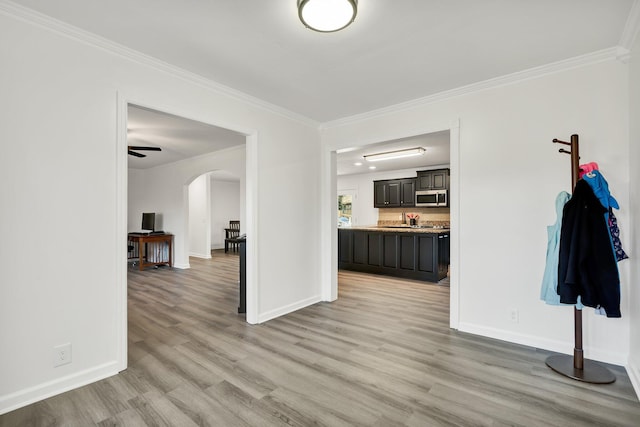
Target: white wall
[[200, 217], [63, 170], [225, 207], [140, 199], [509, 174], [137, 201], [167, 189], [632, 234]]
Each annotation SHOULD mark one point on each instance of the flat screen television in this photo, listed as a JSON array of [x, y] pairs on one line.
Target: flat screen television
[[149, 221]]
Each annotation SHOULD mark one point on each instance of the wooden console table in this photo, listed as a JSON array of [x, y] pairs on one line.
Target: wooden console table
[[153, 249]]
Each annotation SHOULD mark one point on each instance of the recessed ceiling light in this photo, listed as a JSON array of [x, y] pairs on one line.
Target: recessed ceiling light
[[357, 164], [372, 167]]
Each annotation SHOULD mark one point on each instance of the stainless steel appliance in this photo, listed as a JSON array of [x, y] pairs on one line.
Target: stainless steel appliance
[[432, 198]]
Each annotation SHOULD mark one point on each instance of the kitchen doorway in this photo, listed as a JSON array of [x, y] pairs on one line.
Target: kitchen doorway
[[345, 158]]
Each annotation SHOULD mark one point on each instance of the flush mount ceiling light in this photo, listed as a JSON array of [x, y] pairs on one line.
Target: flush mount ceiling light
[[327, 16], [397, 154]]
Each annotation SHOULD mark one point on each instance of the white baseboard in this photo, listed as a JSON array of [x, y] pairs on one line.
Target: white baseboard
[[565, 347], [182, 266], [203, 256], [272, 314], [633, 371], [27, 396]]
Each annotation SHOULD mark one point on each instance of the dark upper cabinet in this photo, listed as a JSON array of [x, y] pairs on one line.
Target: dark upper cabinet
[[424, 180], [408, 192], [386, 194], [380, 198], [437, 179], [394, 193]]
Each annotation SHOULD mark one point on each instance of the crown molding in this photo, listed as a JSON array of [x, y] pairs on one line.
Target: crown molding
[[509, 79], [631, 27], [621, 52], [30, 16]]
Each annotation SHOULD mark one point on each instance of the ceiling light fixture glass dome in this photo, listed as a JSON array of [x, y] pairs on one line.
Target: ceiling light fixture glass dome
[[327, 16]]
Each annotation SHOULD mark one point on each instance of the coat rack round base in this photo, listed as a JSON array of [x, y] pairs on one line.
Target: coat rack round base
[[591, 372]]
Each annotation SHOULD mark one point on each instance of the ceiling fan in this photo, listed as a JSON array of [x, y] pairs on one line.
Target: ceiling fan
[[131, 149]]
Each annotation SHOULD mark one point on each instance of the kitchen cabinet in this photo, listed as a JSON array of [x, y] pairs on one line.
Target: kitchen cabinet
[[436, 179], [242, 305], [407, 192], [394, 193], [412, 255], [386, 194], [444, 250]]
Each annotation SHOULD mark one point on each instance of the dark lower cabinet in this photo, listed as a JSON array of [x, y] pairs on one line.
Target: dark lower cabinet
[[345, 251], [390, 250], [444, 249], [242, 303], [407, 249], [360, 248], [374, 249], [427, 247], [421, 256]]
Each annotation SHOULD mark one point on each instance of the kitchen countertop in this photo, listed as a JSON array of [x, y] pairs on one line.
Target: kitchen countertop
[[398, 229]]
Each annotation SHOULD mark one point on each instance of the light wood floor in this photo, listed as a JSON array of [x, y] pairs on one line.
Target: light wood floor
[[381, 355]]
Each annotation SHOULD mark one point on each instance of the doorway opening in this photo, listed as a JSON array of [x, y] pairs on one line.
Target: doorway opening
[[214, 203], [159, 182], [350, 170], [345, 207]]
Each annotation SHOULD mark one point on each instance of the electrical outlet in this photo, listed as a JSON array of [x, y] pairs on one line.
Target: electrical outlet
[[514, 315], [61, 354]]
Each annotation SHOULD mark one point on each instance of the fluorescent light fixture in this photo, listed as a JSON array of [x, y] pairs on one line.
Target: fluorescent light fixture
[[327, 16], [397, 154]]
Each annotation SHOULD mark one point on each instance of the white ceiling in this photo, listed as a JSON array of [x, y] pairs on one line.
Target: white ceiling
[[179, 138], [437, 154], [395, 51]]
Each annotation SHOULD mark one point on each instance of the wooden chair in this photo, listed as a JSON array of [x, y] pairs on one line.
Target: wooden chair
[[231, 236]]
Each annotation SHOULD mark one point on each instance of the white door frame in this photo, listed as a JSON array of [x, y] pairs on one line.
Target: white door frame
[[328, 227], [251, 205]]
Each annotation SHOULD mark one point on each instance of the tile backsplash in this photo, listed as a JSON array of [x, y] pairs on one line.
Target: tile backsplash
[[427, 216]]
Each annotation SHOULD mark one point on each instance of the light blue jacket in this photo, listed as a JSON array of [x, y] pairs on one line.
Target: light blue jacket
[[549, 292]]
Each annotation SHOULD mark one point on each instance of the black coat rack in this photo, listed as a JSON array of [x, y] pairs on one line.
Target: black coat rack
[[577, 367]]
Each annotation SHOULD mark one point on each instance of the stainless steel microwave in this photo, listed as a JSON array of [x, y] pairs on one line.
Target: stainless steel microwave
[[431, 198]]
